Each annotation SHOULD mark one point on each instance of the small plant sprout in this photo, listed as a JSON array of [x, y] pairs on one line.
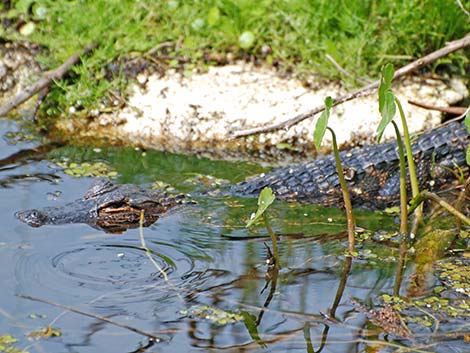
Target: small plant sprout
[[320, 129], [388, 104], [387, 108], [265, 199]]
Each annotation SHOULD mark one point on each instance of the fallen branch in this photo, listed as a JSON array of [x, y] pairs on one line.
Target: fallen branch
[[44, 81], [448, 110], [94, 316], [364, 91]]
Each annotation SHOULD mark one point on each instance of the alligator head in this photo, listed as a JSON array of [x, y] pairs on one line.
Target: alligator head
[[33, 217]]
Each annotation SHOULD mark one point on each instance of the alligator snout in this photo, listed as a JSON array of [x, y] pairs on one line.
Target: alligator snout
[[33, 218]]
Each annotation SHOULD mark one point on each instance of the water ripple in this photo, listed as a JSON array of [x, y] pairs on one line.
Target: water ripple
[[117, 271]]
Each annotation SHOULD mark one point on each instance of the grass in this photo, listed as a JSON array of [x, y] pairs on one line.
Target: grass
[[293, 34]]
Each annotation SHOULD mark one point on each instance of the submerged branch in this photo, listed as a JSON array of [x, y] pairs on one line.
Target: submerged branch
[[94, 316], [451, 209]]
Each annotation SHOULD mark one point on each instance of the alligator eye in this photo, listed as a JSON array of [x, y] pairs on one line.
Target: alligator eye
[[32, 217]]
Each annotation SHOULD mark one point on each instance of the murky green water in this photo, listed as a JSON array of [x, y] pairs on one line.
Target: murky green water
[[204, 252]]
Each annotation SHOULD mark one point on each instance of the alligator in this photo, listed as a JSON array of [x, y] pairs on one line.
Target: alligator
[[107, 206], [372, 173]]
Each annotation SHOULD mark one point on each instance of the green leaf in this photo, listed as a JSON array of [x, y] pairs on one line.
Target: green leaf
[[213, 16], [385, 84], [382, 90], [388, 72], [387, 106], [265, 199], [467, 156], [322, 123], [388, 113], [252, 327]]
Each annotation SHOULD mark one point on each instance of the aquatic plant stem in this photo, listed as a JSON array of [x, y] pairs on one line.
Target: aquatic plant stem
[[403, 193], [409, 152], [346, 197], [400, 267], [411, 167], [341, 286], [273, 239], [403, 213], [148, 252]]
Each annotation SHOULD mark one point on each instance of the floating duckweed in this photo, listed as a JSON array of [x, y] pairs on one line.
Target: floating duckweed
[[385, 236], [362, 235], [391, 299], [161, 185], [86, 169], [214, 315], [7, 344], [37, 316], [206, 180], [456, 275], [367, 254], [46, 332], [14, 137], [426, 323], [7, 339], [450, 299], [451, 311]]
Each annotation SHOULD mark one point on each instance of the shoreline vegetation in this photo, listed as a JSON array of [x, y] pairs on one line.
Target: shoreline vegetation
[[349, 41]]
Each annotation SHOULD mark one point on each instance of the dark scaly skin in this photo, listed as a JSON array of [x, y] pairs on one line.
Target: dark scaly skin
[[374, 172], [113, 208]]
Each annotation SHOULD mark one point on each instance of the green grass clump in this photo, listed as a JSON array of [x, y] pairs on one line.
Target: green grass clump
[[360, 35]]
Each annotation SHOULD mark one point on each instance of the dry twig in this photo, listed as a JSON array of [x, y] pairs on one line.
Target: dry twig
[[448, 110], [44, 81]]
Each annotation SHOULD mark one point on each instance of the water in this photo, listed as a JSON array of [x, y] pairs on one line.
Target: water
[[201, 255]]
